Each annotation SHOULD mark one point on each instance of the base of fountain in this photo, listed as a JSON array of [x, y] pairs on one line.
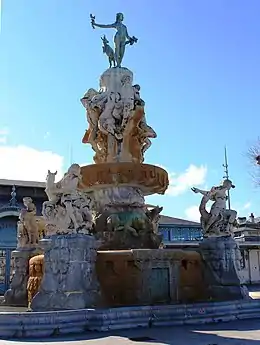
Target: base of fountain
[[47, 324]]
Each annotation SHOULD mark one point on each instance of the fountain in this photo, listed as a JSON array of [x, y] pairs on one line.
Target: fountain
[[100, 265]]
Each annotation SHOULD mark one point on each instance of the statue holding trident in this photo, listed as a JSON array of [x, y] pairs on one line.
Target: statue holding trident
[[218, 216], [121, 38]]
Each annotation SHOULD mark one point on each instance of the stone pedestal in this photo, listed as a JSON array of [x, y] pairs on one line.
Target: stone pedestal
[[69, 280], [17, 294], [222, 269]]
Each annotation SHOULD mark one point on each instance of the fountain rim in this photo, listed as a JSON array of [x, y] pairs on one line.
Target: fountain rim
[[150, 179]]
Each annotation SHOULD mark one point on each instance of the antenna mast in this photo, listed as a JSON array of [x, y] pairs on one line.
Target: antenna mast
[[71, 154], [226, 176]]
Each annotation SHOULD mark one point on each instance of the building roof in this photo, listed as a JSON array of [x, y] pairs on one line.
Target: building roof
[[251, 226], [5, 182], [165, 220]]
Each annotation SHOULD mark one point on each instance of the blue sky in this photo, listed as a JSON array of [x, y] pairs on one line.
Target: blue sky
[[198, 66]]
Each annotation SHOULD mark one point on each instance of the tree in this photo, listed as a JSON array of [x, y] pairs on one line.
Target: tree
[[254, 157]]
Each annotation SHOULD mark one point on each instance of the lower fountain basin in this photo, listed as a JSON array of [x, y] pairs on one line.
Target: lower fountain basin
[[54, 323]]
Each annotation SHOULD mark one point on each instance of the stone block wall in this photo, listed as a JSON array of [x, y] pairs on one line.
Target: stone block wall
[[118, 276], [149, 277], [191, 281]]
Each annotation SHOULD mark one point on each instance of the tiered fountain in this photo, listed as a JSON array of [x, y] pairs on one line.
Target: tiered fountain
[[101, 206], [101, 245]]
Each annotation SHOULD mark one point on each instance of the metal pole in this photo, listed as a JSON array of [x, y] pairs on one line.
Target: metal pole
[[71, 154], [226, 176]]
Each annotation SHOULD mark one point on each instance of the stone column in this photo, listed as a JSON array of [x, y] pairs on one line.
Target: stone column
[[222, 268], [17, 294], [69, 280]]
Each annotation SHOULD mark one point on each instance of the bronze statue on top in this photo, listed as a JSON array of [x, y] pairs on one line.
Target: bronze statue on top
[[121, 38]]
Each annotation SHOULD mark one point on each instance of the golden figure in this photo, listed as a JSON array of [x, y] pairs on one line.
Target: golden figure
[[36, 270]]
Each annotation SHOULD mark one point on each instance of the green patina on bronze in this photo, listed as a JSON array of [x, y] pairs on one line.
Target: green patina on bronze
[[131, 221]]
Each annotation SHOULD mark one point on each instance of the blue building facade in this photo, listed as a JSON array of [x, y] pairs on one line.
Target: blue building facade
[[7, 244], [11, 195], [177, 231], [180, 233]]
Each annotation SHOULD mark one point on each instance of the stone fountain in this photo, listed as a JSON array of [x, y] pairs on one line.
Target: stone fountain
[[101, 244], [101, 206]]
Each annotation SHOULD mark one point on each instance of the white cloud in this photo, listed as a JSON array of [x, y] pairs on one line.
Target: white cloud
[[193, 176], [84, 164], [4, 132], [192, 213], [26, 163], [247, 205], [3, 140]]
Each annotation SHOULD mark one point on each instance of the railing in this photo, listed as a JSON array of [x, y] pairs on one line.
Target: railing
[[185, 235], [7, 208], [247, 238]]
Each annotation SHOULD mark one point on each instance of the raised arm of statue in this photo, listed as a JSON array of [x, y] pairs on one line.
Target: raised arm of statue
[[197, 190], [104, 26]]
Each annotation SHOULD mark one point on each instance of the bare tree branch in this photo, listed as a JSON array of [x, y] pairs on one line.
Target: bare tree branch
[[254, 158]]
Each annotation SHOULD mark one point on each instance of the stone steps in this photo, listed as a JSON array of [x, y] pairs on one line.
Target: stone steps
[[45, 324]]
